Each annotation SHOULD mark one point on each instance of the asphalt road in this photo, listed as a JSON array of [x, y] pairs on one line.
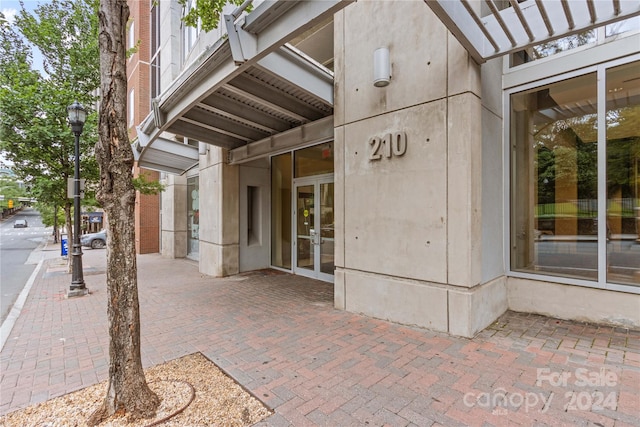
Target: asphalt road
[[15, 246]]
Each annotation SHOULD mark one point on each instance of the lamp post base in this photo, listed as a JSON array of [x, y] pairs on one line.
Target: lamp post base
[[77, 292]]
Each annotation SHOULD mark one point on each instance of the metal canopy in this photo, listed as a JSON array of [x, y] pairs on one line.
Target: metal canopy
[[247, 87], [522, 24], [165, 155]]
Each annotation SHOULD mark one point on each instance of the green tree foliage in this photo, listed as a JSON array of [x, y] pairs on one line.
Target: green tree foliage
[[146, 186], [48, 213], [11, 189], [34, 132], [206, 12]]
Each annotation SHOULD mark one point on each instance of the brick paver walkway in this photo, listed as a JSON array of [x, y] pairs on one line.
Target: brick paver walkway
[[279, 336]]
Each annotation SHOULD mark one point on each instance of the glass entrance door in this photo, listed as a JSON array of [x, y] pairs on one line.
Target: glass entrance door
[[314, 227]]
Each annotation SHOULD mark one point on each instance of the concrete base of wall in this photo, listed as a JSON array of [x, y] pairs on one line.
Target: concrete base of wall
[[465, 312], [471, 310], [454, 310], [219, 260], [574, 302], [174, 244]]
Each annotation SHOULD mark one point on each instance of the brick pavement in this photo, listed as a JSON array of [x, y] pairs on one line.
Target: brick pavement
[[279, 336]]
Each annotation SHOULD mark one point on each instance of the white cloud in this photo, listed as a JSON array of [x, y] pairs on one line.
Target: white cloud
[[10, 14]]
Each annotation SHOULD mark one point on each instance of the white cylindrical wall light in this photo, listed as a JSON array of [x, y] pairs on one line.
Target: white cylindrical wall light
[[202, 148], [381, 67]]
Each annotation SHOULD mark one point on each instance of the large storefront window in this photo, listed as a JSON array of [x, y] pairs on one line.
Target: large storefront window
[[193, 217], [281, 182], [556, 175], [623, 174]]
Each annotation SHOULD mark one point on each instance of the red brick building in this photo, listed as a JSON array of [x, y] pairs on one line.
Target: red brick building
[[147, 211]]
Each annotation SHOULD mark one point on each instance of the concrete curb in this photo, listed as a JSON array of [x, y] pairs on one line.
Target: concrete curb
[[10, 321]]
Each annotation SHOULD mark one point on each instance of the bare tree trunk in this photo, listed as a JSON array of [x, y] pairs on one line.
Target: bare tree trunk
[[128, 391]]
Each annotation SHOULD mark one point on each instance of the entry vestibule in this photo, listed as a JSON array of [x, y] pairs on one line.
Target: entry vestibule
[[314, 227], [302, 211]]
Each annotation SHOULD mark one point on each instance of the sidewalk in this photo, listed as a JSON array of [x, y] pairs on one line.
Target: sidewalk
[[279, 336]]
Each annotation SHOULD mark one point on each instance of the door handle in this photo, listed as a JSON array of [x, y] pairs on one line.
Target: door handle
[[315, 237]]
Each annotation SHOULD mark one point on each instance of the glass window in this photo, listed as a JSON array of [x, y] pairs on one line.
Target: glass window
[[132, 35], [623, 174], [193, 217], [631, 24], [545, 50], [554, 173], [281, 182], [189, 34], [553, 47], [155, 52], [316, 160], [554, 178], [132, 107]]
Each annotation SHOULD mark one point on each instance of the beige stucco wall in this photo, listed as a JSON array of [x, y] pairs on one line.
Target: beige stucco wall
[[396, 209], [219, 218], [170, 42], [410, 228], [255, 249], [174, 217]]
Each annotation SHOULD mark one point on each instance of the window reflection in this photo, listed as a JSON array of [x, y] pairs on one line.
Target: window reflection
[[555, 180], [553, 47], [554, 184], [193, 217], [281, 181], [623, 177]]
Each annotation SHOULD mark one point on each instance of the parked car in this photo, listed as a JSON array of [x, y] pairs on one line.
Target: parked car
[[20, 223], [94, 240]]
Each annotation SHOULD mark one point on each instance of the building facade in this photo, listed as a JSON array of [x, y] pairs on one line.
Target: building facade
[[380, 146], [139, 43]]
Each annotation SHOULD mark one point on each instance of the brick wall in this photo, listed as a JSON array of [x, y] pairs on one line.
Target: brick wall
[[147, 209], [147, 217]]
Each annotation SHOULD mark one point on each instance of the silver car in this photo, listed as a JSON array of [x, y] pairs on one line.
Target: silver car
[[20, 223], [94, 240]]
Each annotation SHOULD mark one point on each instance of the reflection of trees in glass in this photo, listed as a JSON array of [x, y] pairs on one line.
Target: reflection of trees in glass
[[567, 156], [546, 163], [622, 26], [622, 160], [623, 151], [563, 44]]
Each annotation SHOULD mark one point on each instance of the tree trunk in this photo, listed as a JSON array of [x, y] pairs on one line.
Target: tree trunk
[[128, 392]]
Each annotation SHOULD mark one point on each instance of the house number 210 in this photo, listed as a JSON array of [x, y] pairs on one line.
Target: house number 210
[[392, 144]]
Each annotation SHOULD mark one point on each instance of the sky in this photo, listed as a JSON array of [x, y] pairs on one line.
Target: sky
[[11, 7]]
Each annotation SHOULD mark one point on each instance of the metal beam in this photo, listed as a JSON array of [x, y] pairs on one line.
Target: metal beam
[[273, 95], [223, 124], [525, 24], [245, 112], [199, 133], [235, 118], [291, 66], [288, 112], [216, 129], [310, 133], [281, 21], [165, 155]]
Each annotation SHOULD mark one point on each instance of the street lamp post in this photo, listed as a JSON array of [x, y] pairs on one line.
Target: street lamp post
[[77, 116]]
